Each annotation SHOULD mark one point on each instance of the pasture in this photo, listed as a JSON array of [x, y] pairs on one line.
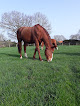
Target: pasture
[[29, 82]]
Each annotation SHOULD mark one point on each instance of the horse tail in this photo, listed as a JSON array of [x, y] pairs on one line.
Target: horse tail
[[19, 41], [19, 46]]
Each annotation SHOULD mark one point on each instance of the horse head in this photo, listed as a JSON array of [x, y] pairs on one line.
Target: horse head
[[49, 53], [55, 46]]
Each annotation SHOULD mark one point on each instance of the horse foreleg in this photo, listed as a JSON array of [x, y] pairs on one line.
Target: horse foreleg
[[25, 54], [37, 49], [39, 55], [20, 48]]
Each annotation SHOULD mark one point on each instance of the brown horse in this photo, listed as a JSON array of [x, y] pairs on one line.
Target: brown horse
[[35, 34], [53, 42]]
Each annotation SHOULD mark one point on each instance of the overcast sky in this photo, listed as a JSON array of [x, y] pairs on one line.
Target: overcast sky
[[64, 15]]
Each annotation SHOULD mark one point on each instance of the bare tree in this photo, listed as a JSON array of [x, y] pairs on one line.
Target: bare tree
[[79, 32], [76, 36], [14, 20], [42, 20], [2, 38], [11, 21], [59, 37]]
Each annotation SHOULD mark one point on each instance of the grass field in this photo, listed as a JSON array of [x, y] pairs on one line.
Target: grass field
[[29, 82]]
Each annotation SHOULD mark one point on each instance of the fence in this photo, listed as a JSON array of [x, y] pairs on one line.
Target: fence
[[7, 44]]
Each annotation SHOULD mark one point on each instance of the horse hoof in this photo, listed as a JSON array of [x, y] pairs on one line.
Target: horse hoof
[[41, 60], [26, 55], [21, 57]]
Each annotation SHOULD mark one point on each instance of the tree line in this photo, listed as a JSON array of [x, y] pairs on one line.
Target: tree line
[[62, 38]]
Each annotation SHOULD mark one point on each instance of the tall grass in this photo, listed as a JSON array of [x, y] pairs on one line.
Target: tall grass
[[29, 82]]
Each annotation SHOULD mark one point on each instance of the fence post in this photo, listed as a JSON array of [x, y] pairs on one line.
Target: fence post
[[9, 44]]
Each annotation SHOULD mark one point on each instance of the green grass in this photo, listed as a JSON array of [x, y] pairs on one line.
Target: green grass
[[29, 82]]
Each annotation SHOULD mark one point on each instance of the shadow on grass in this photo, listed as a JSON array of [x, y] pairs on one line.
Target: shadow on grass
[[71, 54], [12, 55], [18, 56]]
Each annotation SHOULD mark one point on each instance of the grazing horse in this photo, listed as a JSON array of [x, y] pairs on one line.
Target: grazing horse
[[35, 34], [53, 42]]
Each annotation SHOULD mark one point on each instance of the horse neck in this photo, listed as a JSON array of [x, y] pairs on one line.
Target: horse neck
[[46, 38], [47, 42]]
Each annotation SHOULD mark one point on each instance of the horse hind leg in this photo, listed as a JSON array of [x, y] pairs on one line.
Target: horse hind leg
[[20, 48], [25, 54], [34, 53]]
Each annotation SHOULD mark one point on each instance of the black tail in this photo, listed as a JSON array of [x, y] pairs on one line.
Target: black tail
[[19, 47], [19, 41]]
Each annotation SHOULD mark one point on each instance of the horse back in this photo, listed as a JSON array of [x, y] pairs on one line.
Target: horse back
[[25, 34], [31, 34]]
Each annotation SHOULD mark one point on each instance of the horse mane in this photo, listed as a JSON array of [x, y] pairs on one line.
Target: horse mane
[[45, 32]]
